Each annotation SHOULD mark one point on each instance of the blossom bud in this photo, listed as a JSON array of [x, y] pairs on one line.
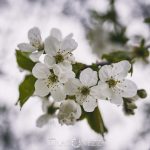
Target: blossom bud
[[69, 112], [142, 93]]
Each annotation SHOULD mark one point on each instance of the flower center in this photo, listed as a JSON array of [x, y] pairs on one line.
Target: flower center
[[85, 91], [53, 78], [111, 83], [59, 58]]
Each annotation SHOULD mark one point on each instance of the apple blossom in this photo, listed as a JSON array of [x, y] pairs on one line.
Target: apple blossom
[[84, 89], [112, 85], [69, 112], [59, 50], [48, 82], [35, 47]]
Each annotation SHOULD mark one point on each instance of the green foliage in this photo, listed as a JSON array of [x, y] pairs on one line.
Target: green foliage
[[129, 106], [110, 15], [141, 51], [24, 61], [95, 121], [117, 56], [119, 36], [94, 67], [26, 89], [77, 67]]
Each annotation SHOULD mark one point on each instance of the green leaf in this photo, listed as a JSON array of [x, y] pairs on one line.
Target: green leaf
[[95, 67], [26, 89], [117, 56], [24, 61], [119, 37], [95, 121], [77, 67], [141, 52]]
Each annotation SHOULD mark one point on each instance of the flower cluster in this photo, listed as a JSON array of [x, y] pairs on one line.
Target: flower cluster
[[56, 78]]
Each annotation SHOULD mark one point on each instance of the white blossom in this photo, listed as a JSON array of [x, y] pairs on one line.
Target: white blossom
[[48, 82], [69, 112], [35, 45], [64, 71], [84, 89], [112, 85], [58, 49]]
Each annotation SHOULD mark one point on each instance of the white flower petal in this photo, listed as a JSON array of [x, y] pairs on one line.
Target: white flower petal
[[90, 104], [71, 87], [49, 61], [116, 71], [68, 113], [106, 91], [68, 106], [105, 72], [56, 69], [25, 47], [126, 88], [41, 88], [51, 46], [68, 45], [80, 98], [62, 67], [40, 71], [56, 33], [34, 36], [63, 71], [35, 56], [116, 99], [63, 78], [69, 36], [121, 69], [79, 111], [70, 58], [58, 93], [102, 91], [42, 120], [96, 92], [88, 77]]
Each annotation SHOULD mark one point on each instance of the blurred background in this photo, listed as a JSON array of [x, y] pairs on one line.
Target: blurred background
[[99, 27]]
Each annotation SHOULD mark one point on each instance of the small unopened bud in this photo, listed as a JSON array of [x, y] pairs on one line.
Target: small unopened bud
[[142, 93]]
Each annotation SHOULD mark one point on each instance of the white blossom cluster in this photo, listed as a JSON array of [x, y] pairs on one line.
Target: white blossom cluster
[[56, 78]]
